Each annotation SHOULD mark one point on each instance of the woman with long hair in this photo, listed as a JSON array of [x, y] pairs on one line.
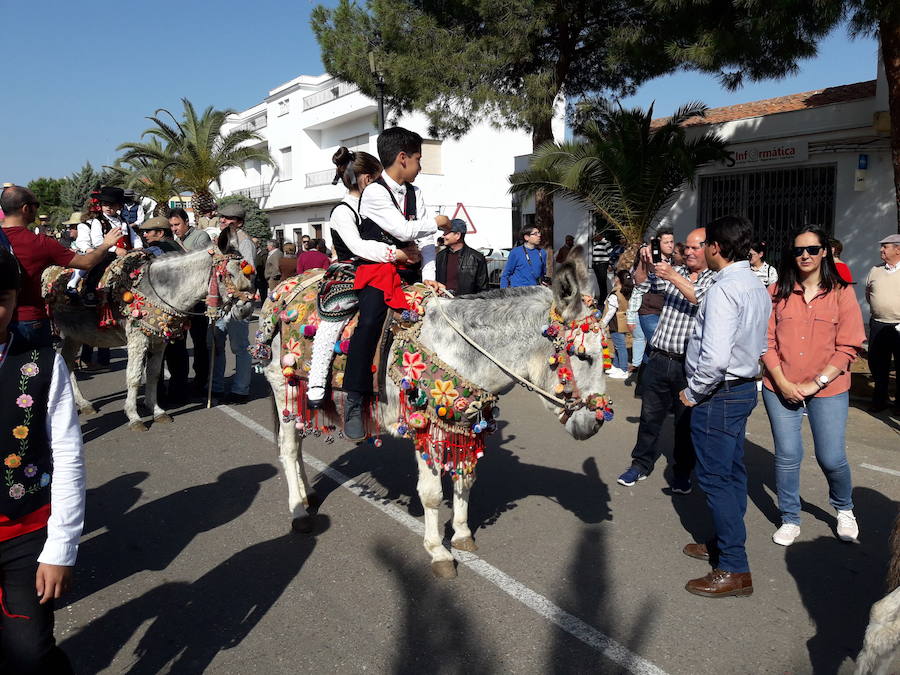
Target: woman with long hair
[[355, 170], [815, 332]]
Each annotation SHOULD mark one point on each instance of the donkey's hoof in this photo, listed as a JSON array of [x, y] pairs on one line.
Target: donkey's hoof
[[444, 569], [88, 410], [137, 426], [312, 502], [465, 544], [165, 418], [303, 524]]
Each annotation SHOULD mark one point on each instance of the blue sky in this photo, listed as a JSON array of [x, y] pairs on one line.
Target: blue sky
[[74, 92]]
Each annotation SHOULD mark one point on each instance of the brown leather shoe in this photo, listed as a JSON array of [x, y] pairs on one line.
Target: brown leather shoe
[[698, 551], [719, 584]]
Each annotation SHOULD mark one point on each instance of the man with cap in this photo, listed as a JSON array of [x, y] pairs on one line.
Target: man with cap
[[157, 235], [883, 295], [231, 225], [132, 211], [461, 268], [43, 224], [70, 233]]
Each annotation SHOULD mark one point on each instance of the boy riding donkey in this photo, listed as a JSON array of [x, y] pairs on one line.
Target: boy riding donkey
[[392, 211]]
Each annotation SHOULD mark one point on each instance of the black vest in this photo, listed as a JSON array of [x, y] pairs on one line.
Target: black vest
[[25, 376], [369, 229]]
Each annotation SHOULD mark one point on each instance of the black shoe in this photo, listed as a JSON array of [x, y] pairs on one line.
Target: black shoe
[[315, 403], [237, 398], [353, 421]]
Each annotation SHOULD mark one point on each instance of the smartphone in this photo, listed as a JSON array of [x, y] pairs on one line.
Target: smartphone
[[655, 253]]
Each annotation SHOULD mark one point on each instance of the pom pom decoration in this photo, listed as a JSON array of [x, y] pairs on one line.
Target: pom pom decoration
[[247, 270], [309, 330], [337, 347], [291, 315], [418, 420], [287, 371], [127, 297], [288, 359], [345, 346]]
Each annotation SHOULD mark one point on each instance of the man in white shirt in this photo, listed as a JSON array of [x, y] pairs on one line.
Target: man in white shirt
[[391, 210], [883, 296]]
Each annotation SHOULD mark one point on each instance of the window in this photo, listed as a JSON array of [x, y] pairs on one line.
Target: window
[[431, 157], [357, 143], [284, 106], [776, 202], [285, 166]]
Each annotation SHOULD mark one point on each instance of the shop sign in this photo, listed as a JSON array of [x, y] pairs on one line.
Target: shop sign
[[768, 153]]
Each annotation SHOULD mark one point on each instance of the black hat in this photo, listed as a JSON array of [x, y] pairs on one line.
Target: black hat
[[112, 195]]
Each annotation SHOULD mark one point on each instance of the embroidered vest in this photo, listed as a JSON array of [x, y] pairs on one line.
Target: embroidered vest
[[25, 376], [340, 248], [130, 213]]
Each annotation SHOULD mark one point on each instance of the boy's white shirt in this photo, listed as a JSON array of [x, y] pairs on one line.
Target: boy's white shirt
[[377, 204], [67, 488], [90, 234]]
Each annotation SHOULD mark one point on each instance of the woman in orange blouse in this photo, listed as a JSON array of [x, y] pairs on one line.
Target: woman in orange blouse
[[815, 331]]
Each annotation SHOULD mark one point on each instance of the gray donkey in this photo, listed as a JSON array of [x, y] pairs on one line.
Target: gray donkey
[[508, 325], [174, 282]]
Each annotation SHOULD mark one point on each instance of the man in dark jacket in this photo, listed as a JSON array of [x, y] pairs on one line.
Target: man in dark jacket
[[462, 269]]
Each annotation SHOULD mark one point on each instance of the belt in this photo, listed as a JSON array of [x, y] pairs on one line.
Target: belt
[[668, 355], [737, 382]]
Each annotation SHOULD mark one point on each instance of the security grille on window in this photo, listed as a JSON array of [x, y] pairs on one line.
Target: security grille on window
[[431, 157], [777, 202], [357, 143], [286, 167]]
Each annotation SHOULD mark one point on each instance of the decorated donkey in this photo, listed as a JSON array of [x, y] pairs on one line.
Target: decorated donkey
[[149, 302], [541, 338]]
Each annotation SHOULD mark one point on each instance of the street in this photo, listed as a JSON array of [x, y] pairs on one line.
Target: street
[[188, 563]]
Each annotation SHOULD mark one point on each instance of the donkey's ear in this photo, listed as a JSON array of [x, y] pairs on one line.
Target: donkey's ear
[[568, 282], [224, 242]]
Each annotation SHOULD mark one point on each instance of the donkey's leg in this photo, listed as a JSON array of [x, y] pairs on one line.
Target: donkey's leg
[[69, 352], [462, 535], [155, 351], [430, 493], [137, 353], [290, 453]]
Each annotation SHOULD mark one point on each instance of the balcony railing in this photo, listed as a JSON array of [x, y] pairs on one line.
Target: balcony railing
[[317, 178], [255, 124], [334, 89], [255, 192]]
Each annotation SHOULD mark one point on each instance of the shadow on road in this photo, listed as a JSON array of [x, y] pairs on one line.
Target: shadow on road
[[192, 623], [437, 634], [109, 502], [152, 535], [502, 481], [838, 582]]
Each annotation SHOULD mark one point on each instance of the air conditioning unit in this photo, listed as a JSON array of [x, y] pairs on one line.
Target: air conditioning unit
[[881, 122]]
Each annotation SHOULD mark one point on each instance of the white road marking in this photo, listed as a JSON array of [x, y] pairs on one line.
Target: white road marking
[[893, 472], [600, 642]]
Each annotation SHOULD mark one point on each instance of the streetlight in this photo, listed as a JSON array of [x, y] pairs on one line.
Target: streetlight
[[379, 82]]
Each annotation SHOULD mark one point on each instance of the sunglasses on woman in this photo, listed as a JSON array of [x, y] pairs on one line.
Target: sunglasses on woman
[[812, 250]]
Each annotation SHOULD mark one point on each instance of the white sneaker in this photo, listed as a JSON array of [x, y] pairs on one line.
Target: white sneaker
[[785, 535], [847, 529], [616, 374]]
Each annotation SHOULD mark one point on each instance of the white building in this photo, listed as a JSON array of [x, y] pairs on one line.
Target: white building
[[304, 121], [819, 157]]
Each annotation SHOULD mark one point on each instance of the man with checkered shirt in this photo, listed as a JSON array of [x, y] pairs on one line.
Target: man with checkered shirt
[[683, 288]]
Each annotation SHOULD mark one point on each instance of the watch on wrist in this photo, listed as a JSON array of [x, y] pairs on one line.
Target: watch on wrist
[[822, 380]]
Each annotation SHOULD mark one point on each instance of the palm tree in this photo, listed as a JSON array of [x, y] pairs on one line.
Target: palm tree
[[622, 166], [150, 168], [198, 150]]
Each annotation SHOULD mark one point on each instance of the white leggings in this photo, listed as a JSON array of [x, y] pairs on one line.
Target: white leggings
[[327, 334], [77, 275]]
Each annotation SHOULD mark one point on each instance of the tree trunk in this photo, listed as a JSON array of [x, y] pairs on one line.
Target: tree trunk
[[543, 203], [889, 31]]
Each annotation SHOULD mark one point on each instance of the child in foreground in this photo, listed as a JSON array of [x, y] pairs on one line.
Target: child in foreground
[[42, 496]]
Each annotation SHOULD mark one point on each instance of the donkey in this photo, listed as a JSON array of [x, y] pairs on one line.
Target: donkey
[[176, 282], [508, 325]]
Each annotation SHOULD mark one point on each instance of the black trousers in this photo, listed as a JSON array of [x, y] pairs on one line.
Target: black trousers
[[662, 380], [176, 359], [364, 342], [27, 646], [199, 329], [884, 346], [600, 270]]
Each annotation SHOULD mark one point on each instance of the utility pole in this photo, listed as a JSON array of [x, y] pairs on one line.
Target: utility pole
[[379, 82]]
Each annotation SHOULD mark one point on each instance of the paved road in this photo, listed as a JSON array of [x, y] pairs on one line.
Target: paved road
[[188, 563]]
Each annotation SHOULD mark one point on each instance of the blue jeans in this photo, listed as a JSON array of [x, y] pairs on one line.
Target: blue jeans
[[238, 333], [35, 333], [648, 327], [638, 344], [620, 359], [717, 428], [828, 422]]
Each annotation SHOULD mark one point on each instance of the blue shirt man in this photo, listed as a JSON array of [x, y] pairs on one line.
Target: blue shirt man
[[721, 364], [526, 263]]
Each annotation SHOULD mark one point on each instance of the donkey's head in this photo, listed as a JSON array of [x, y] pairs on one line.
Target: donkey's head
[[234, 285], [570, 290]]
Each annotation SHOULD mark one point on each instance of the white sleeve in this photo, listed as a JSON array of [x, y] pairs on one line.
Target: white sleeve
[[83, 240], [428, 248], [67, 489], [343, 222], [376, 203], [612, 306], [136, 241], [140, 216]]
